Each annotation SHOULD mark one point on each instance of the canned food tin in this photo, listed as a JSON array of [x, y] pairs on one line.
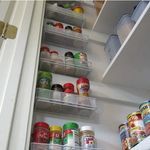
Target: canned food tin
[[83, 86], [145, 110], [44, 80], [41, 132], [125, 136], [70, 135], [136, 127]]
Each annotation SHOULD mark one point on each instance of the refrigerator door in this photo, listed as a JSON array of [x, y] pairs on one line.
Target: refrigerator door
[[12, 52]]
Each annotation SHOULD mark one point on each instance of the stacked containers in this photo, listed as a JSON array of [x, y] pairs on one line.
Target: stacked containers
[[112, 46], [124, 27], [138, 10]]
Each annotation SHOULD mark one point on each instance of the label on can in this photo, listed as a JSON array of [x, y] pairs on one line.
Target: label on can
[[71, 138], [83, 89], [88, 142], [55, 138]]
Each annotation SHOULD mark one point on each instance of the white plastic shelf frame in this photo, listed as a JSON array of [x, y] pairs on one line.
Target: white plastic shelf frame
[[64, 103], [43, 146], [75, 69], [64, 38], [64, 15]]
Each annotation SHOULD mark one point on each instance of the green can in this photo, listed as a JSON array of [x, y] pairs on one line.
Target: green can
[[44, 80], [70, 135]]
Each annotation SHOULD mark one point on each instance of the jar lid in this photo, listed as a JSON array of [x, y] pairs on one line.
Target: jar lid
[[69, 54], [144, 103], [69, 91], [77, 55], [134, 113], [70, 125], [55, 128], [82, 79], [41, 124], [68, 27], [45, 74], [70, 85], [54, 52], [86, 128], [78, 6], [55, 86], [44, 48]]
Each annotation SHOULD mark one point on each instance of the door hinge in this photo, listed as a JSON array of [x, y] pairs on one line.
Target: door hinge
[[7, 31]]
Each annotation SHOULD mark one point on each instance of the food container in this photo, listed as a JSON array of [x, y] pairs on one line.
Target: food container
[[77, 29], [139, 10], [136, 127], [68, 96], [54, 55], [56, 94], [55, 137], [145, 110], [112, 46], [124, 27], [68, 28], [41, 133], [87, 137], [44, 80], [69, 63], [44, 58], [125, 137], [78, 9], [59, 25], [70, 135], [83, 86]]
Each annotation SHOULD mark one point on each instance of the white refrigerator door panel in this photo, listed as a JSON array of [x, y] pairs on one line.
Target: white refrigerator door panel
[[11, 60]]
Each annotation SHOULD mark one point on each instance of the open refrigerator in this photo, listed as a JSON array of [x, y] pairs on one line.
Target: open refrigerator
[[116, 88]]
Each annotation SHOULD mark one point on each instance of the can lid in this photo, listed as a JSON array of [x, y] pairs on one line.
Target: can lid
[[44, 48], [83, 79], [41, 124], [134, 113], [145, 102], [54, 52], [70, 85], [86, 128], [55, 128], [70, 125]]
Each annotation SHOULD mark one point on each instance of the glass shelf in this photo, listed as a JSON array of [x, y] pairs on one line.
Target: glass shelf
[[76, 68], [64, 15], [64, 38], [60, 102], [43, 146]]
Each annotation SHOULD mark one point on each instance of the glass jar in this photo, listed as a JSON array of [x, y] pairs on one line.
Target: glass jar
[[45, 52], [87, 137], [41, 133]]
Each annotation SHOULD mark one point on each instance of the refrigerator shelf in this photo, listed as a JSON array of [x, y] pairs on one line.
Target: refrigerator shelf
[[60, 102], [43, 146], [75, 69], [64, 38], [64, 15]]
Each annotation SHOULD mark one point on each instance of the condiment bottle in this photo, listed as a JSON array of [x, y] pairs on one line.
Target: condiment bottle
[[69, 62], [87, 137], [41, 133], [56, 91], [83, 86]]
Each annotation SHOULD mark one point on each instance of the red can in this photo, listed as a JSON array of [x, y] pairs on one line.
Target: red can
[[41, 132], [68, 88], [136, 127], [83, 86]]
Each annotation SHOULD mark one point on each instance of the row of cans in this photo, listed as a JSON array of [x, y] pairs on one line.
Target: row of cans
[[136, 128]]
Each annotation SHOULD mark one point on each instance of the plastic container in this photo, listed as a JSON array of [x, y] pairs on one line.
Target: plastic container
[[87, 137], [112, 46], [70, 135], [124, 27], [145, 110], [41, 133], [136, 127], [55, 137], [57, 89], [83, 86], [125, 137], [139, 10]]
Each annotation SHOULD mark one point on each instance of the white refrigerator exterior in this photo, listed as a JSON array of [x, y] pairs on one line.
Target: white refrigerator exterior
[[18, 90]]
